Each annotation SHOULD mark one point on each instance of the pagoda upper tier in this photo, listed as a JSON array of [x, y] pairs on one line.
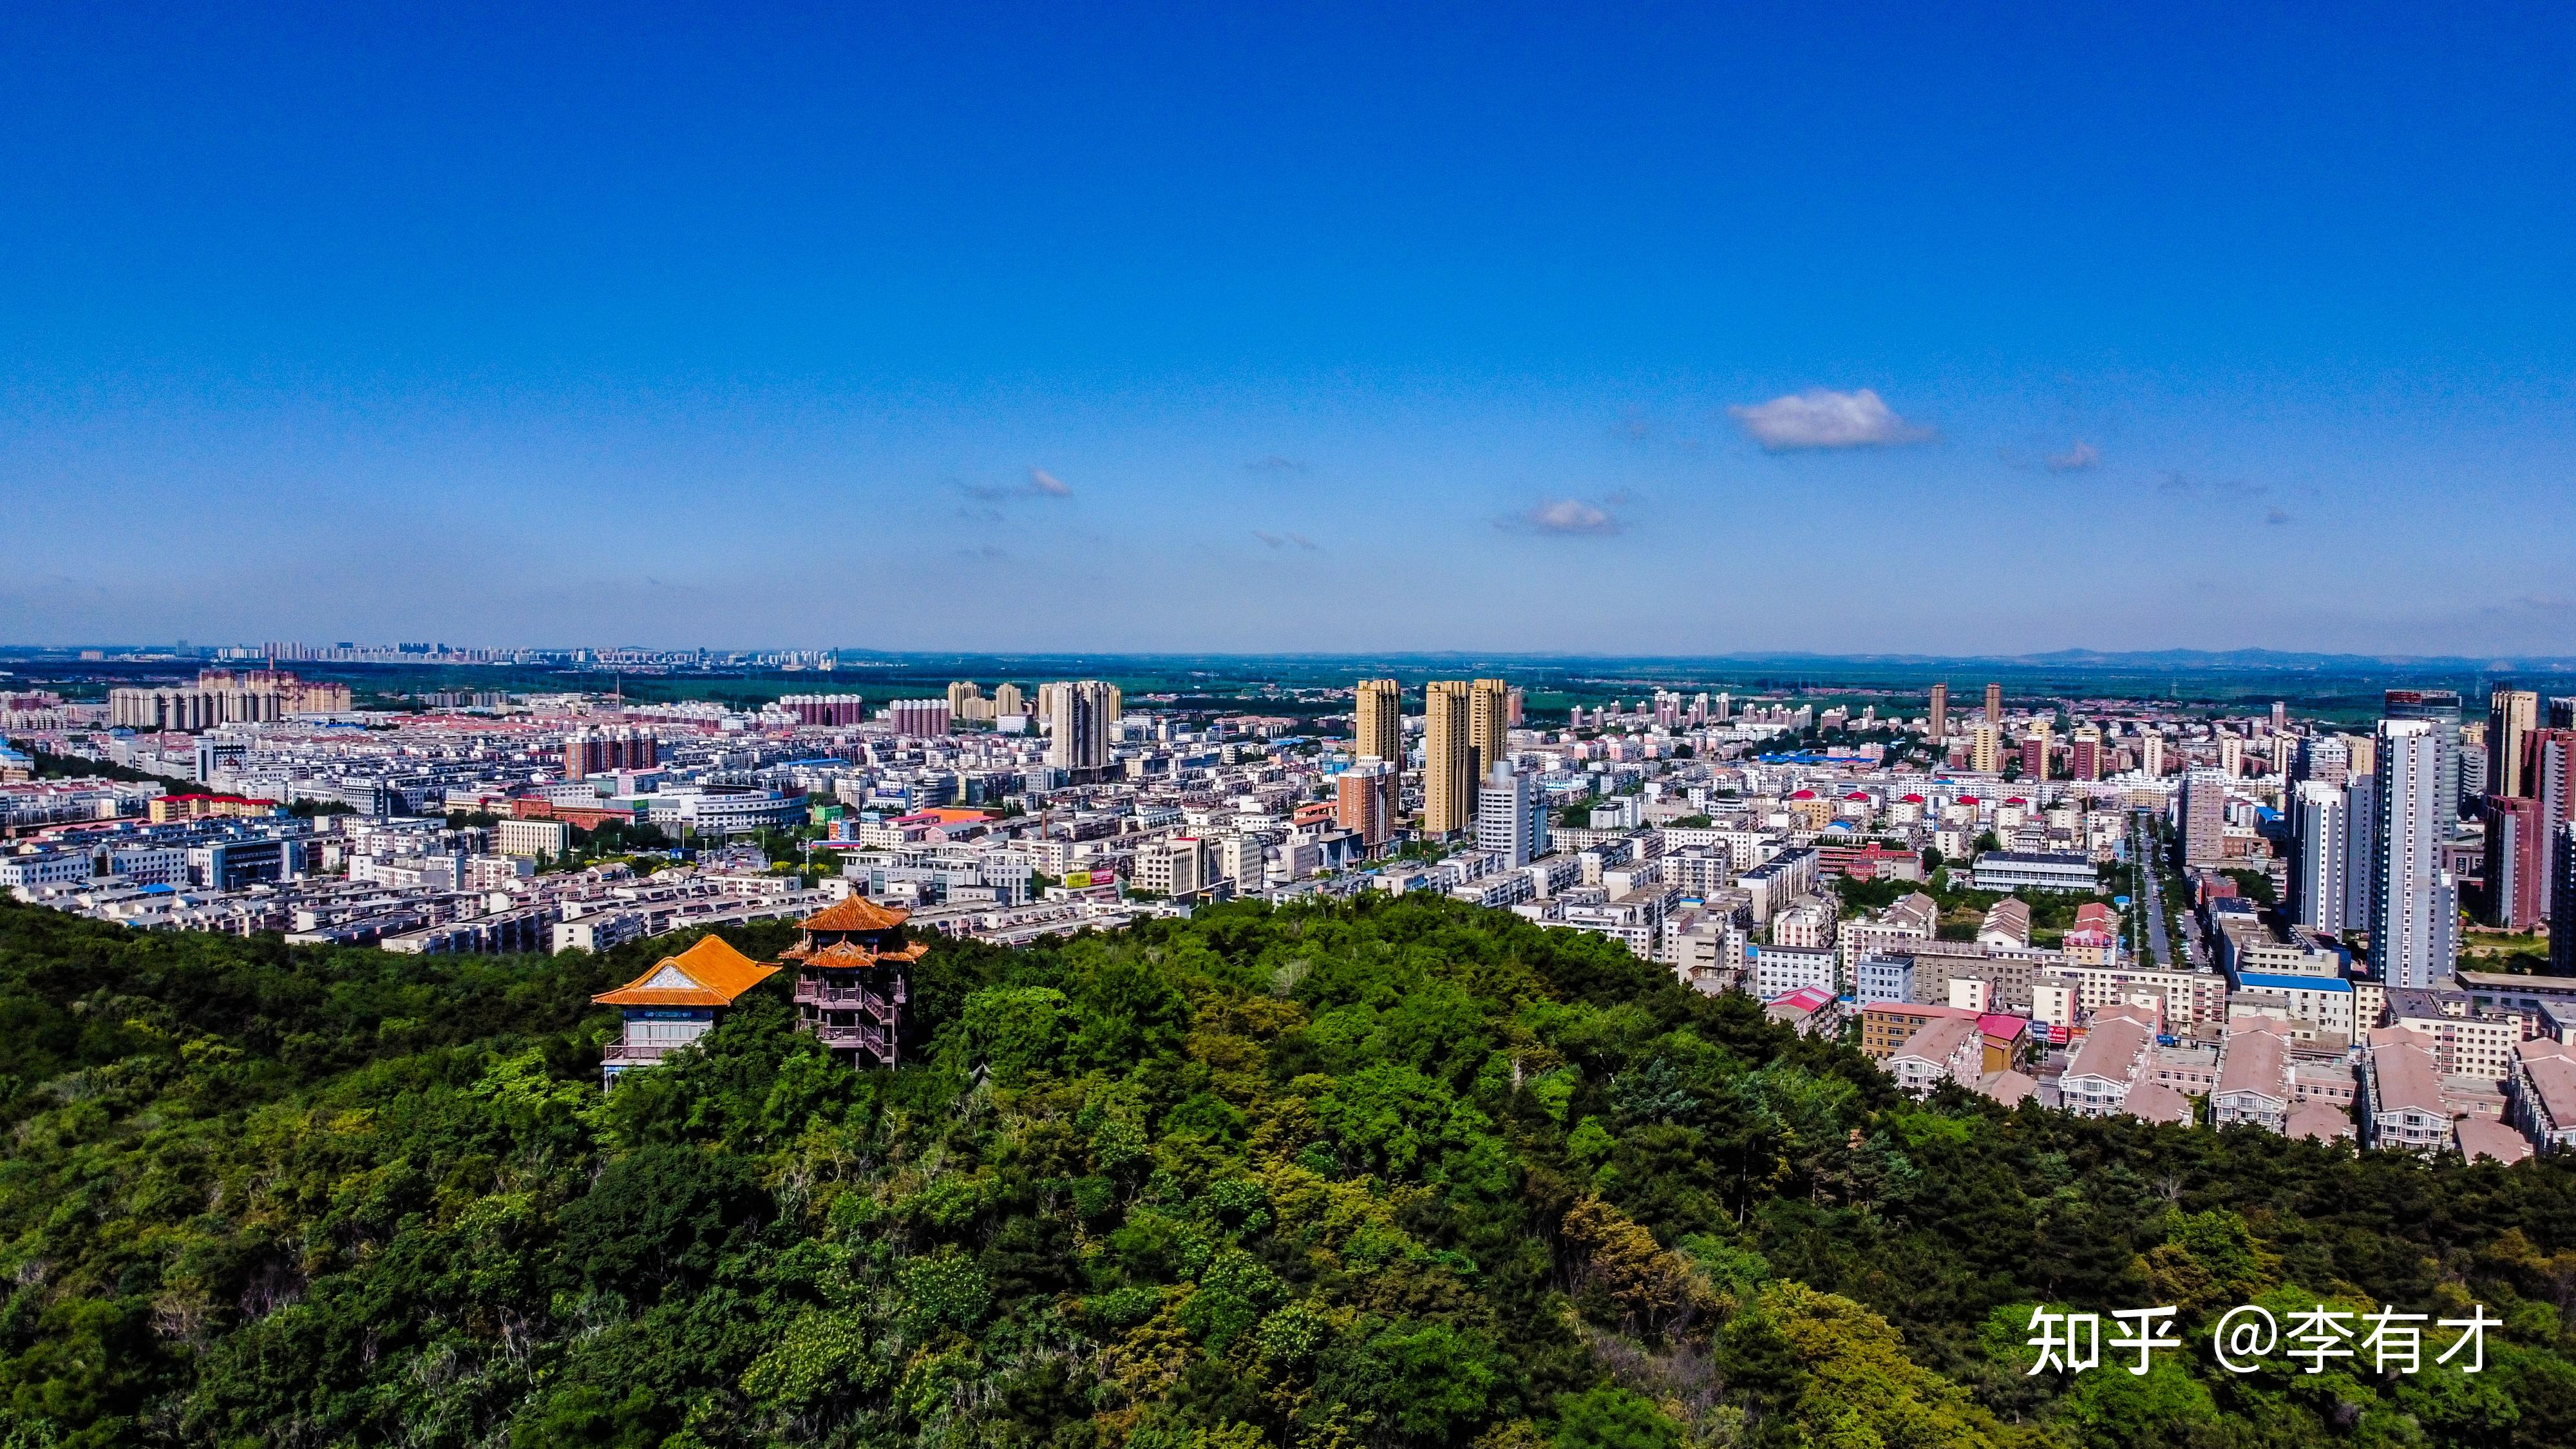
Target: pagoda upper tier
[[851, 933]]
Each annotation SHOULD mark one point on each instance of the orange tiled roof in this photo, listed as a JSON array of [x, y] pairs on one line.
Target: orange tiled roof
[[839, 953], [855, 913], [844, 955], [957, 815], [709, 973]]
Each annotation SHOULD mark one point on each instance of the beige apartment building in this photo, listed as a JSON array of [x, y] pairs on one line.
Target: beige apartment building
[[1380, 722], [1448, 758]]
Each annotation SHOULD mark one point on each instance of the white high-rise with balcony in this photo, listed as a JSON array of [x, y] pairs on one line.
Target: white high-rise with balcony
[[2414, 902], [2320, 846]]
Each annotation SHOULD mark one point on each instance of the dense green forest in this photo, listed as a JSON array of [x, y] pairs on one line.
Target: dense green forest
[[1397, 1173]]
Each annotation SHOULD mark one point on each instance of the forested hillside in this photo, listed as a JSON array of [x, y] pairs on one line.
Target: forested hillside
[[1394, 1174]]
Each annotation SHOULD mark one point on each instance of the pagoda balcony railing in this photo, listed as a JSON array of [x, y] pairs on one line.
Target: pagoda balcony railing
[[876, 1041], [848, 998], [845, 979]]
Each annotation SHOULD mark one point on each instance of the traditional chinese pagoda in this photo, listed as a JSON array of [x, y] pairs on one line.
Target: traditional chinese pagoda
[[850, 978], [676, 1002]]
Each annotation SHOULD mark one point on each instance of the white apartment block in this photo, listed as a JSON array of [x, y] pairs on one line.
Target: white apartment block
[[1779, 970]]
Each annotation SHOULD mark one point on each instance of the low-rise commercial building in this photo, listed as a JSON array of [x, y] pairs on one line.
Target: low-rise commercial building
[[2466, 1041], [533, 839], [2307, 1006], [2012, 870]]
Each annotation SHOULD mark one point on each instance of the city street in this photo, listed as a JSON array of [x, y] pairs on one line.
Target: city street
[[2143, 850]]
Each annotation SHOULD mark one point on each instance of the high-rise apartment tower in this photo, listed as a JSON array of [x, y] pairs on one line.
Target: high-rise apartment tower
[[1380, 718], [2512, 714], [2414, 908], [1489, 722], [1448, 759]]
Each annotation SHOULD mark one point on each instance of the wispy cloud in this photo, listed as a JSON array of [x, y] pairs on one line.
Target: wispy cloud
[[1287, 540], [2082, 457], [1566, 518], [1040, 484], [1274, 464], [2276, 515], [1823, 418]]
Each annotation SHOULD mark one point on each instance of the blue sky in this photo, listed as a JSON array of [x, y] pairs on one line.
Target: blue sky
[[1682, 329]]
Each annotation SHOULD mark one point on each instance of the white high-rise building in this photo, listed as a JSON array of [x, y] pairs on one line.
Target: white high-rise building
[[2414, 916], [2360, 847], [2320, 847], [1080, 716], [2439, 708], [1510, 819]]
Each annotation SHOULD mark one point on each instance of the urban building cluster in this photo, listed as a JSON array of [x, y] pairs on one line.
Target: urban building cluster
[[1706, 833]]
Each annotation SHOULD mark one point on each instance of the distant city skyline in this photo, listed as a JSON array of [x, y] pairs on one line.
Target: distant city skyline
[[1510, 331]]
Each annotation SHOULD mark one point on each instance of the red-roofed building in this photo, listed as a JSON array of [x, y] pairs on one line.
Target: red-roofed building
[[1812, 1010], [579, 817], [1872, 861], [2090, 948]]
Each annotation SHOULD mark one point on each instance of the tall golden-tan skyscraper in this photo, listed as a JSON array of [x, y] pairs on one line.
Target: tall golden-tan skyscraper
[[1994, 704], [1380, 728], [1489, 724], [1937, 727], [1985, 748], [2512, 714], [1448, 759]]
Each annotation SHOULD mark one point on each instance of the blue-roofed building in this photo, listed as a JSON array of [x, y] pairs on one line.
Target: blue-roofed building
[[2307, 1006]]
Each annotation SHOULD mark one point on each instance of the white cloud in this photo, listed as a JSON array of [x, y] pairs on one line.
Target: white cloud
[[1042, 481], [2077, 459], [1823, 418], [1569, 516]]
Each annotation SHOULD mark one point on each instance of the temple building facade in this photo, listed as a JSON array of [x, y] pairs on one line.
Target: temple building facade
[[676, 1002]]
